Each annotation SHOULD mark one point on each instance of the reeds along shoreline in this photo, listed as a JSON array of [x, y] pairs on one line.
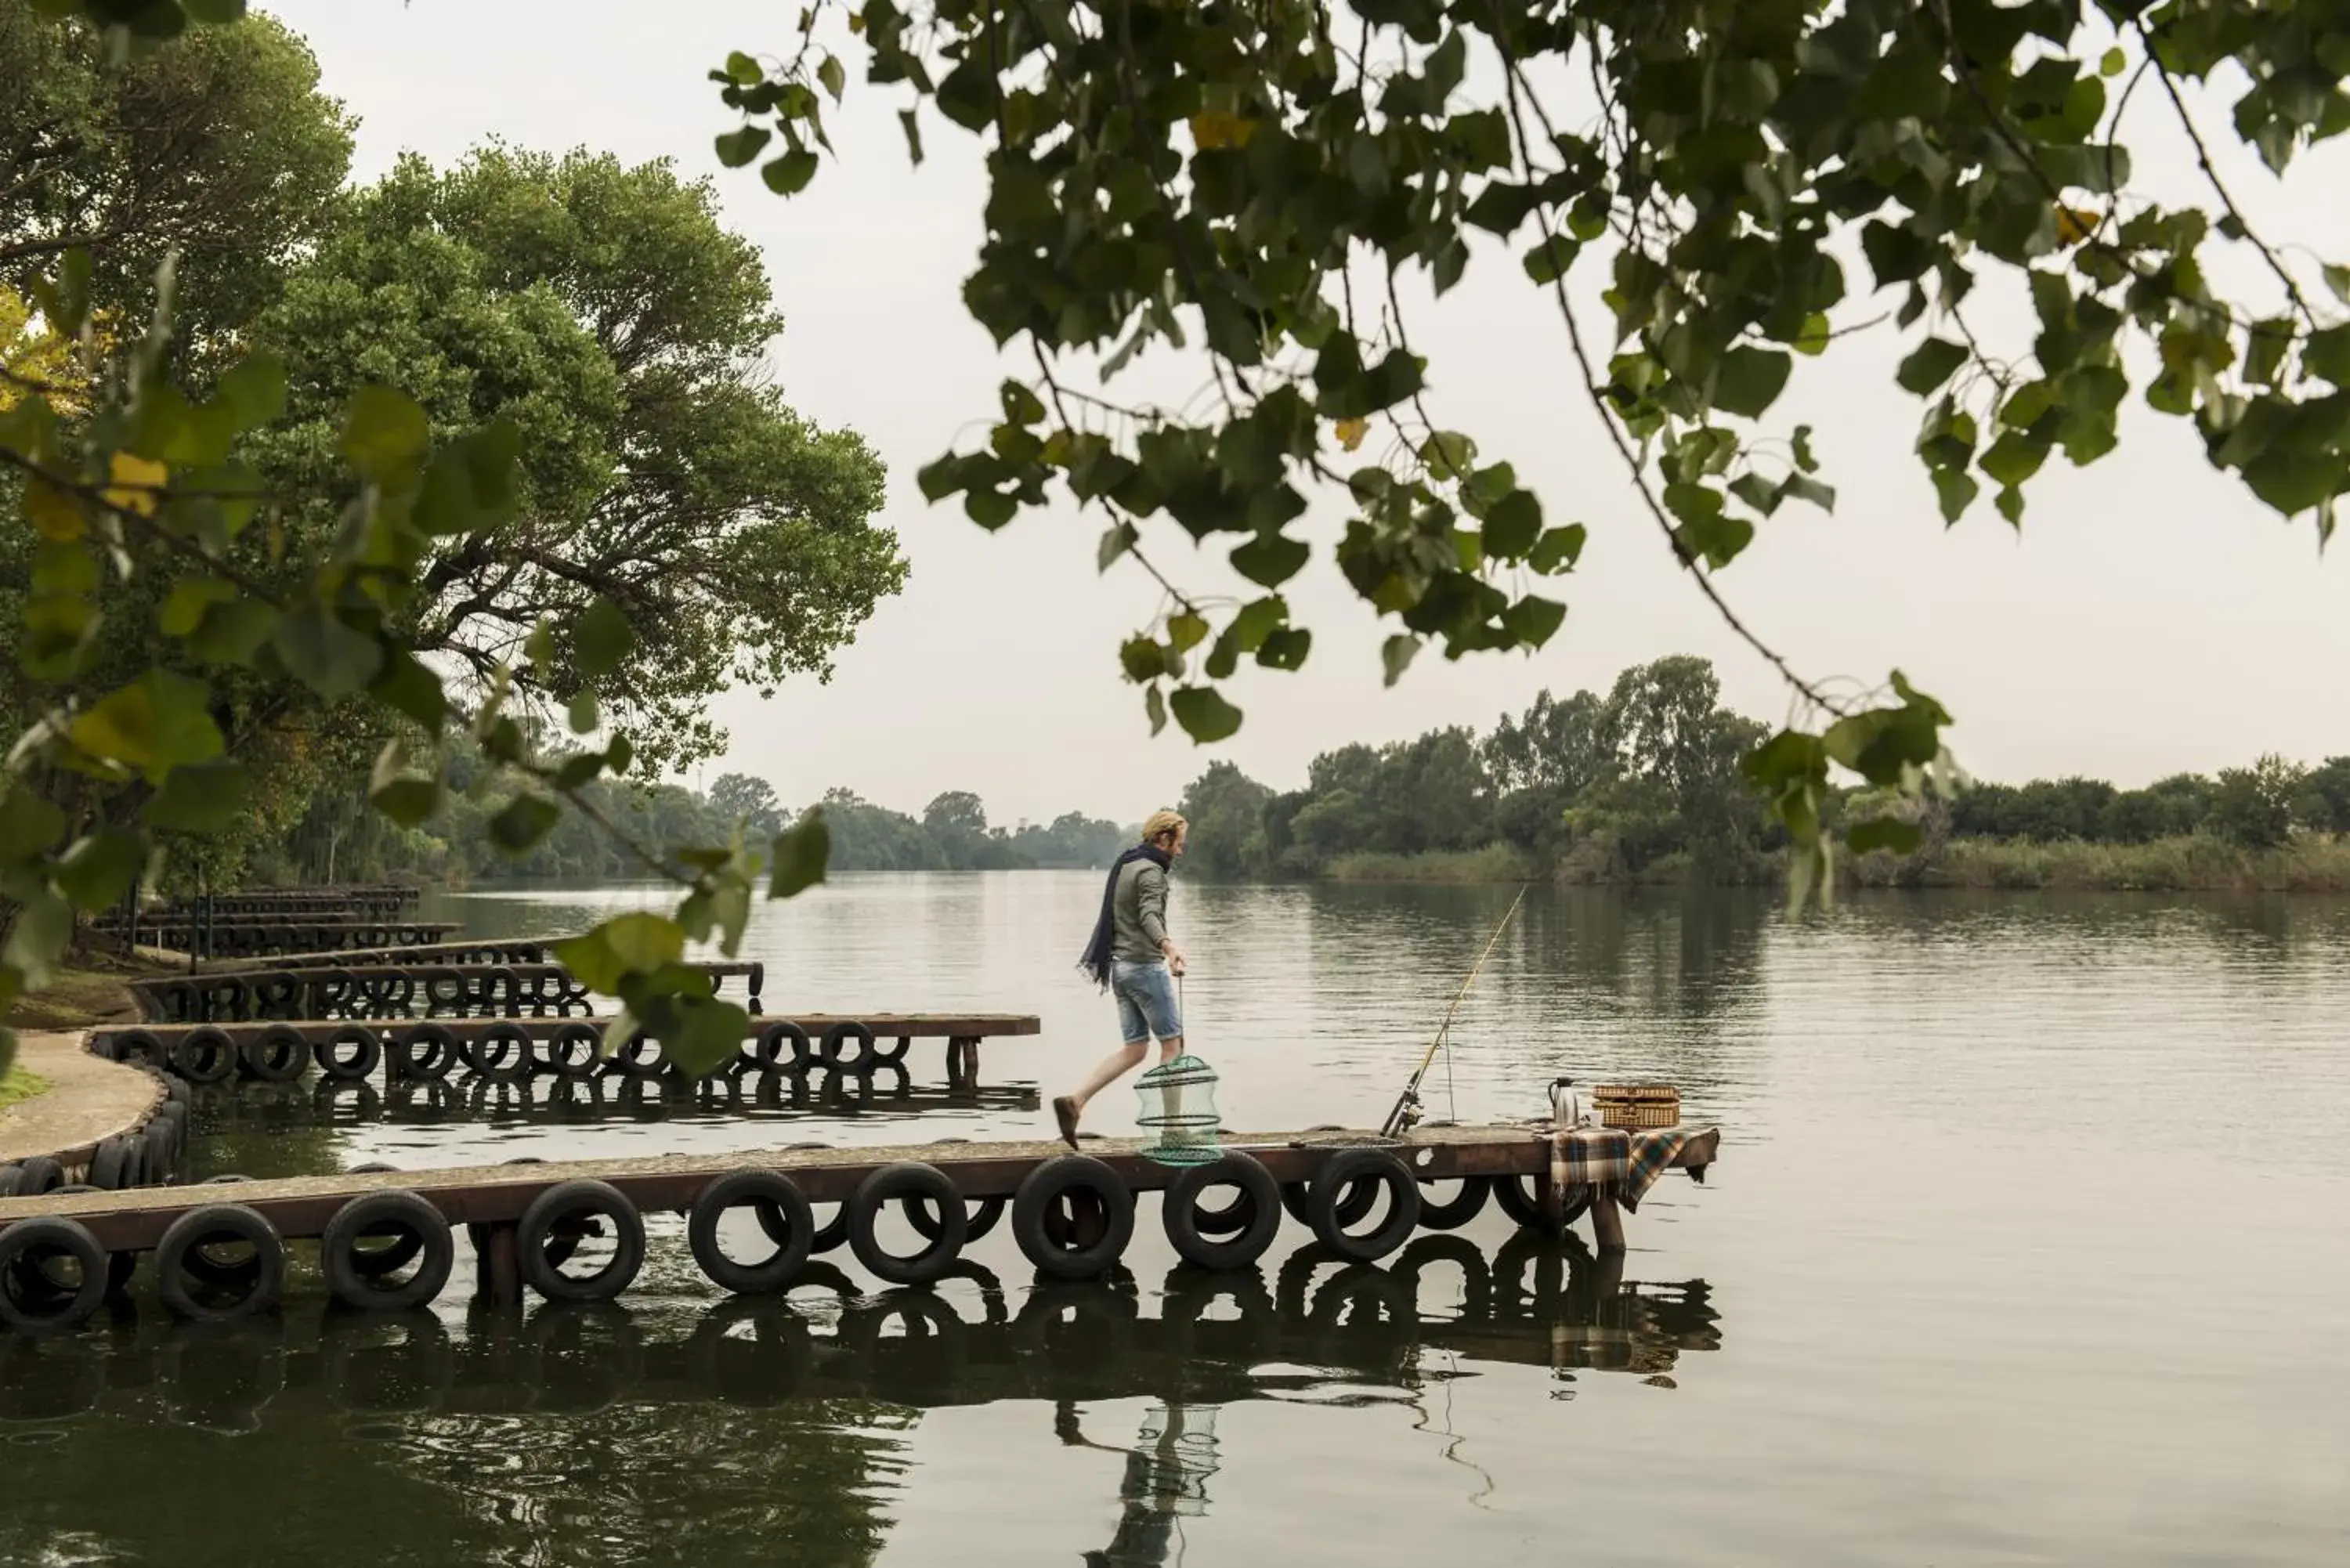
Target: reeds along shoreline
[[2313, 863]]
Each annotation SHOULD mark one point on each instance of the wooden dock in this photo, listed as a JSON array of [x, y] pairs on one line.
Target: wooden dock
[[1073, 1216]]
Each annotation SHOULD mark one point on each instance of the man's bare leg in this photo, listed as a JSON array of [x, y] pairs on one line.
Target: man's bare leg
[[1114, 1067]]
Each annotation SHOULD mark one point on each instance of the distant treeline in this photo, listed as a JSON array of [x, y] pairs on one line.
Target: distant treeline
[[1643, 783]]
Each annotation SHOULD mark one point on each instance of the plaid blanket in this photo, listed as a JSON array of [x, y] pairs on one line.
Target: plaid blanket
[[1629, 1162]]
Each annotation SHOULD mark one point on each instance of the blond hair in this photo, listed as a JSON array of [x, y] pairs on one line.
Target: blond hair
[[1160, 824]]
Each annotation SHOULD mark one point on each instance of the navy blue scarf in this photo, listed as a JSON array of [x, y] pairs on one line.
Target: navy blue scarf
[[1097, 959]]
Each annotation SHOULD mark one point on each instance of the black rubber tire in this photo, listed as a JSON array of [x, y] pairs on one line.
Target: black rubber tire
[[890, 1184], [9, 1176], [258, 1285], [1458, 1209], [203, 1055], [639, 1057], [566, 1063], [354, 1274], [275, 1055], [141, 1047], [509, 1068], [1525, 1207], [1033, 1211], [38, 1175], [118, 1163], [779, 1204], [895, 1051], [427, 1051], [1259, 1205], [30, 1302], [558, 1208], [162, 1138], [1325, 1202], [781, 1047], [366, 1055], [764, 1368], [837, 1037], [981, 1215], [1353, 1204]]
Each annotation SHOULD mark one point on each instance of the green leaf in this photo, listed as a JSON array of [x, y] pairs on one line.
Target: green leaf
[[37, 939], [323, 653], [409, 801], [1804, 487], [384, 433], [1204, 714], [744, 70], [1956, 490], [1549, 260], [98, 870], [834, 76], [2337, 278], [1186, 631], [581, 713], [1885, 832], [1749, 380], [1396, 655], [526, 819], [406, 686], [29, 823], [2327, 354], [1513, 525], [156, 723], [1154, 708], [1144, 658], [1558, 549], [202, 797], [2013, 458], [215, 12], [1813, 337], [2113, 63], [1269, 560], [799, 856], [1930, 364], [706, 1031], [789, 175], [1534, 620], [1285, 648], [1804, 460], [912, 127], [737, 148], [601, 638], [1116, 541], [1447, 455], [184, 609]]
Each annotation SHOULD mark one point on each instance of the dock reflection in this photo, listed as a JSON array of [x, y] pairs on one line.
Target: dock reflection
[[770, 1430]]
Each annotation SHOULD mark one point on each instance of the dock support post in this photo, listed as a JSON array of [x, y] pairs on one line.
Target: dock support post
[[499, 1278], [962, 1062], [1606, 1221]]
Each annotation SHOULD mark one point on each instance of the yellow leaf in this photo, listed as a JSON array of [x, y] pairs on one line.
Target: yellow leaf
[[2074, 225], [52, 512], [1212, 129], [1352, 431], [135, 478], [856, 21]]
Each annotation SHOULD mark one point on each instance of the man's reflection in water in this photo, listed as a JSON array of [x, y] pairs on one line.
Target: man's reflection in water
[[1166, 1479]]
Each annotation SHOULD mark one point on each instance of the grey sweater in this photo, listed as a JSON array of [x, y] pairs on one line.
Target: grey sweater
[[1139, 913]]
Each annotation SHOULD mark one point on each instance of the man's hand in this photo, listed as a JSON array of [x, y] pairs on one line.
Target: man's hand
[[1174, 959]]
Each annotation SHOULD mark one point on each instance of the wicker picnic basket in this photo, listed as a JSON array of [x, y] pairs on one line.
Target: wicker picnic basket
[[1636, 1105]]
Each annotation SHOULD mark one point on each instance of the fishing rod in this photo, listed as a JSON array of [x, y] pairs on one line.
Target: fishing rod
[[1406, 1113]]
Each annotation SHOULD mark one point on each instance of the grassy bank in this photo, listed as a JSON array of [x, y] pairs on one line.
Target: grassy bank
[[21, 1085], [80, 998], [2186, 865], [2181, 865]]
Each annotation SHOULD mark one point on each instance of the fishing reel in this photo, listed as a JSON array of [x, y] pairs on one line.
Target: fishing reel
[[1406, 1114]]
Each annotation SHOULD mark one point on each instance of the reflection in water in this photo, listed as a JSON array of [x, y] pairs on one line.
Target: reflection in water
[[768, 1430]]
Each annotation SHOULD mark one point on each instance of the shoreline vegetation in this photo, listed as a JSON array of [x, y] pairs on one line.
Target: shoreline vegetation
[[2185, 864]]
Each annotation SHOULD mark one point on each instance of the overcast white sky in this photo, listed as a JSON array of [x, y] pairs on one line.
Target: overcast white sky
[[2150, 618]]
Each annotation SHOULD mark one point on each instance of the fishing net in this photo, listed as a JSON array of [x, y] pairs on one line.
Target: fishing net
[[1178, 1114]]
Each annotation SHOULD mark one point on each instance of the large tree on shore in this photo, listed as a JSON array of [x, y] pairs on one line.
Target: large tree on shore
[[607, 315]]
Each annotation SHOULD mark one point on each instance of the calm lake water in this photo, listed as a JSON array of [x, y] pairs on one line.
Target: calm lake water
[[2029, 1244]]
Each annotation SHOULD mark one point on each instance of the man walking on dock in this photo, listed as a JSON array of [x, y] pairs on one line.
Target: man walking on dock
[[1132, 955]]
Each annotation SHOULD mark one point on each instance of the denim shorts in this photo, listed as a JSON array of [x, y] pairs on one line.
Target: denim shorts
[[1146, 1000]]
